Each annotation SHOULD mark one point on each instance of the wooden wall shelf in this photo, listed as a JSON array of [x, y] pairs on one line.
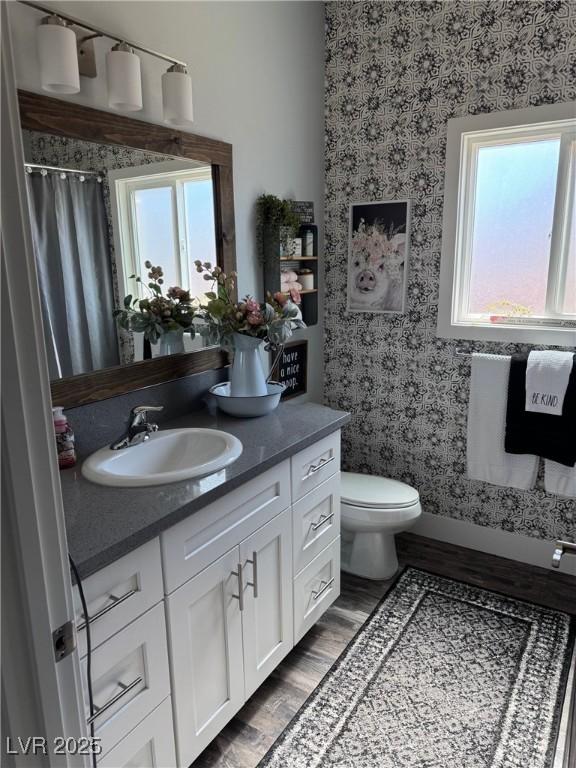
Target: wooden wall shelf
[[299, 258], [274, 262]]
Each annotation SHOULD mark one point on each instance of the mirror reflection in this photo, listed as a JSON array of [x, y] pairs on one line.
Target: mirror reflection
[[101, 214]]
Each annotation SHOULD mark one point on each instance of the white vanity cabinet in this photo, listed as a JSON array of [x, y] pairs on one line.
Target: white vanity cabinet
[[205, 630], [229, 626], [130, 669], [211, 608], [267, 619]]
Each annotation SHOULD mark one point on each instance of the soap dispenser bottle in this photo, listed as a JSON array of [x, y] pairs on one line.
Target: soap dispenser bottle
[[64, 439]]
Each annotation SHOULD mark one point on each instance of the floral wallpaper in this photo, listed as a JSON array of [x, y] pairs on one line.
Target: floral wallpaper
[[395, 73]]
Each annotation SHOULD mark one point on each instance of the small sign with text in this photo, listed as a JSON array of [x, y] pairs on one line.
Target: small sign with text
[[292, 369]]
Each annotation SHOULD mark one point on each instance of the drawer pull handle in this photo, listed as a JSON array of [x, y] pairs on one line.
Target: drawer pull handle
[[313, 468], [323, 519], [102, 612], [125, 689], [254, 564], [324, 587], [240, 596]]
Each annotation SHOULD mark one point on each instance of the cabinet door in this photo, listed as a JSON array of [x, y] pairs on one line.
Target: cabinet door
[[205, 637], [267, 607]]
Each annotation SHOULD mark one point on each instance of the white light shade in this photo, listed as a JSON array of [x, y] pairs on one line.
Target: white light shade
[[124, 79], [177, 97], [58, 58]]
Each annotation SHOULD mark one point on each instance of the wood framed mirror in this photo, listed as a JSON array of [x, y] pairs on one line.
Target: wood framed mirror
[[58, 135]]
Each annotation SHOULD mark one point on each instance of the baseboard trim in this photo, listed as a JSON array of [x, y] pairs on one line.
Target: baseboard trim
[[494, 541]]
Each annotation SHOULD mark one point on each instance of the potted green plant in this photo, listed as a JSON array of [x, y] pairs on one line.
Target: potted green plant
[[276, 221]]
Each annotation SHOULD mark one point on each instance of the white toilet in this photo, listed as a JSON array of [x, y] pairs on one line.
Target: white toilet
[[373, 510]]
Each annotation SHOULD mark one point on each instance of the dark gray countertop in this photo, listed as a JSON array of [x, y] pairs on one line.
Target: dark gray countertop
[[104, 523]]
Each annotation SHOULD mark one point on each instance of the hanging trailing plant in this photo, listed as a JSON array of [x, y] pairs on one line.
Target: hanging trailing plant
[[276, 221]]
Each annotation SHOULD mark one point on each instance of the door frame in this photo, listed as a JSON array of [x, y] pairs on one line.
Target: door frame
[[33, 513]]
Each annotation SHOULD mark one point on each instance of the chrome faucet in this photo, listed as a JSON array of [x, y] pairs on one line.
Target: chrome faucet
[[139, 428]]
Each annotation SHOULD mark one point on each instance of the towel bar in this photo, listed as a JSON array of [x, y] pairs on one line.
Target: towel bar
[[562, 548], [462, 353]]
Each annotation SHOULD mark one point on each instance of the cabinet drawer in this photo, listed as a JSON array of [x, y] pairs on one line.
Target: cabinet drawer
[[190, 546], [130, 677], [119, 593], [149, 745], [316, 588], [316, 521], [315, 464]]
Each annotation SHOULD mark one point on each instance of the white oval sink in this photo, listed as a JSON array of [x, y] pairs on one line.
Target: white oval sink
[[167, 456]]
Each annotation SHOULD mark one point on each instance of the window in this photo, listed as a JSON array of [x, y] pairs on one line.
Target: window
[[508, 246], [165, 217]]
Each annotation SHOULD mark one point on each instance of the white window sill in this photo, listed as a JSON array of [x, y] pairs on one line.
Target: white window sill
[[536, 334]]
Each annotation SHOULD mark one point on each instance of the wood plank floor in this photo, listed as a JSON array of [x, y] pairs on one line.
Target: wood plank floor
[[249, 735]]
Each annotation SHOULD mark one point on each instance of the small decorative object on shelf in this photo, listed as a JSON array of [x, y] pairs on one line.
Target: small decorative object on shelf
[[304, 209], [241, 327], [306, 279], [292, 249], [158, 317], [284, 262]]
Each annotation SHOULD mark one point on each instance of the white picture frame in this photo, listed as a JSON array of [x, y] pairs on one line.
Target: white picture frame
[[378, 252]]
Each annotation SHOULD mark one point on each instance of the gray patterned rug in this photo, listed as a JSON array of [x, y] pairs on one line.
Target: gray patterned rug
[[442, 675]]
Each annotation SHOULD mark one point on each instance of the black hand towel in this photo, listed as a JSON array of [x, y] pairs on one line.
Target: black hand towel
[[542, 434]]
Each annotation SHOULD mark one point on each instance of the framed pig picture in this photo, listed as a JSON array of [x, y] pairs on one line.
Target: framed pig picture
[[379, 236]]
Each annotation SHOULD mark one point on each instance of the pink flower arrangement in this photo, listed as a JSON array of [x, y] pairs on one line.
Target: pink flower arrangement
[[272, 320]]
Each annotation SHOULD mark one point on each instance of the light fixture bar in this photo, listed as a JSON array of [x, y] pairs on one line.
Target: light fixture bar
[[101, 32]]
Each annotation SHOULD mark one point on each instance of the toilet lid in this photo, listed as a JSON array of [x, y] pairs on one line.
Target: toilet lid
[[376, 492]]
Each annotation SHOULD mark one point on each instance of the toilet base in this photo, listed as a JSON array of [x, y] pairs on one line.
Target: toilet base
[[371, 556]]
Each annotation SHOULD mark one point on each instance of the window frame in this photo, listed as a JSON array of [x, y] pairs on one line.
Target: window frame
[[123, 183], [465, 136]]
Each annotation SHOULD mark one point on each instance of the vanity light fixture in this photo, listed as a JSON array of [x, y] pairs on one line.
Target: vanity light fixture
[[57, 55], [177, 96], [124, 78]]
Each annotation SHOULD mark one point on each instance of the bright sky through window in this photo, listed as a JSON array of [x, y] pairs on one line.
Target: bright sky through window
[[513, 215], [199, 206], [155, 231]]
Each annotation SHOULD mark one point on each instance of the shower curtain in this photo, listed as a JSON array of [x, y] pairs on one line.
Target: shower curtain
[[69, 229]]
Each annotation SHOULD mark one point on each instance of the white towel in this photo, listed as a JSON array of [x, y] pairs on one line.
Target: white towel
[[487, 459], [547, 374], [559, 479]]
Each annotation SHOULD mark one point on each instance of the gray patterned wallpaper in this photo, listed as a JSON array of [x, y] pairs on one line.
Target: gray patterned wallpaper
[[396, 72]]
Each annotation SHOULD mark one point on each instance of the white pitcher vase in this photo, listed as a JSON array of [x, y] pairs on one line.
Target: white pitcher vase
[[171, 343], [247, 377]]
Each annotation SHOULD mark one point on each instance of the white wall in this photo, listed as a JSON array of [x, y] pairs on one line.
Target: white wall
[[258, 73]]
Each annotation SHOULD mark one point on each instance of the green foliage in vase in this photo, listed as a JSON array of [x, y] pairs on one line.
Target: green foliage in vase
[[157, 313], [272, 320], [276, 221]]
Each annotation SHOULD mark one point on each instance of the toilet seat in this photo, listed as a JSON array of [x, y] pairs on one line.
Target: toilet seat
[[370, 492]]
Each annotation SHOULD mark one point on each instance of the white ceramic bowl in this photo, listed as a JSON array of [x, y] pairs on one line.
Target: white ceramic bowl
[[247, 407]]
